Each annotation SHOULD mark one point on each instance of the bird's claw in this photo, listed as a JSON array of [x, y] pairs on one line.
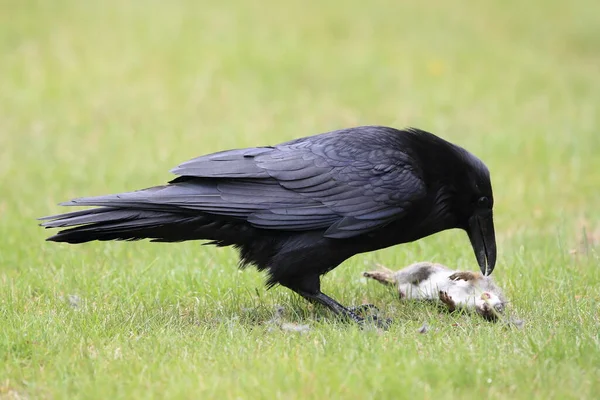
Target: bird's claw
[[363, 307], [381, 323], [371, 319]]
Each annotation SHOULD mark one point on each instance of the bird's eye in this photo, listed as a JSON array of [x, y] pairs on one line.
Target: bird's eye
[[484, 202]]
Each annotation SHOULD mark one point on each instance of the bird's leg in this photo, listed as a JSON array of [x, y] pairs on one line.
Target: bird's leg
[[309, 287], [350, 313], [330, 303]]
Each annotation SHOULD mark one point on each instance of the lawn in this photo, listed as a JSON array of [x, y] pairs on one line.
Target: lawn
[[104, 97]]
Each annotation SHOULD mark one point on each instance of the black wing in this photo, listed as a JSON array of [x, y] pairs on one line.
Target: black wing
[[343, 182], [346, 183]]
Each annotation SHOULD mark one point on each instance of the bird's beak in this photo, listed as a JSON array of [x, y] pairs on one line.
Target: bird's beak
[[483, 239]]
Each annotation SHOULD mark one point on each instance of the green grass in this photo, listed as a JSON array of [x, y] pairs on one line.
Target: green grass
[[103, 97]]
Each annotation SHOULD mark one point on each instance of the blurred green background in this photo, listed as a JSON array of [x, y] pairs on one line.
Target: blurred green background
[[103, 97]]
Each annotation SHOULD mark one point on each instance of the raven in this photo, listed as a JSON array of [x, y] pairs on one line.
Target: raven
[[300, 208]]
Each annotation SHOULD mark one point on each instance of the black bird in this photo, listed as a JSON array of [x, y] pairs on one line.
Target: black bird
[[300, 208]]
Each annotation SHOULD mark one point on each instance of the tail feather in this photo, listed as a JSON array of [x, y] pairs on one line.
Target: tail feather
[[110, 223], [81, 217], [185, 209]]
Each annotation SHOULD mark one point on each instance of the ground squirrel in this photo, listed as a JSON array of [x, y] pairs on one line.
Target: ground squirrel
[[456, 289]]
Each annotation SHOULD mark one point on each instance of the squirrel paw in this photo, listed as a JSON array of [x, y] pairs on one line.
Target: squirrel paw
[[447, 300], [463, 275]]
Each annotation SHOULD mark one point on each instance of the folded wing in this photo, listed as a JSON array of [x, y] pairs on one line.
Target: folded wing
[[344, 185]]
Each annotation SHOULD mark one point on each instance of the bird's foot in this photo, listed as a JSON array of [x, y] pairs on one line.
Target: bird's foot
[[351, 313], [363, 307], [379, 322], [371, 319]]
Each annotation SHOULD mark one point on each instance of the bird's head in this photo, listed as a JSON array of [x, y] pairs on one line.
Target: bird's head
[[464, 197], [472, 204], [462, 188]]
